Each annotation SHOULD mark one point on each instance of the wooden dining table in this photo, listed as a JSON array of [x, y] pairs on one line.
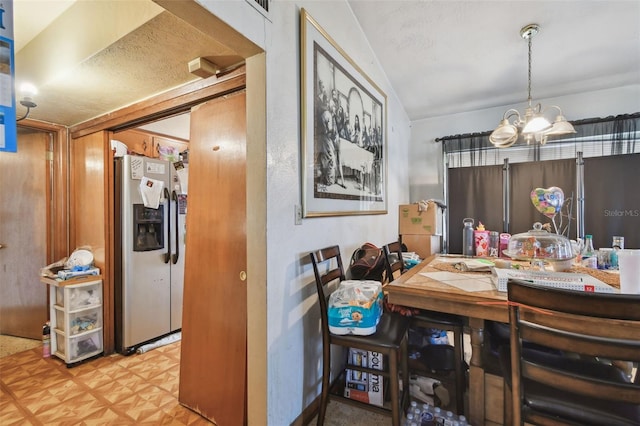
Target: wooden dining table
[[435, 284]]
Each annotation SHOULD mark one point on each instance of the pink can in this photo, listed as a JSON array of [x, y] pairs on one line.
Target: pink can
[[504, 243], [482, 243]]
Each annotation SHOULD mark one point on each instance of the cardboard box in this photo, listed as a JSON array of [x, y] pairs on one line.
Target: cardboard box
[[423, 245], [413, 221], [364, 387]]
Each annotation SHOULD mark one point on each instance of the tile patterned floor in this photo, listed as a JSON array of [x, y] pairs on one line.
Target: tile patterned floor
[[114, 390], [118, 390]]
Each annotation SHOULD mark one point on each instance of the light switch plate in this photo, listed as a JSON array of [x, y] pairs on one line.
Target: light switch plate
[[298, 214]]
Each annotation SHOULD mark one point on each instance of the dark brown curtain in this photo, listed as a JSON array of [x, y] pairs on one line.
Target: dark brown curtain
[[474, 192], [612, 199], [525, 177]]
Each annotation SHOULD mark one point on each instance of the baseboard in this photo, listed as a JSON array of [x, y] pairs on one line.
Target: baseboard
[[308, 413]]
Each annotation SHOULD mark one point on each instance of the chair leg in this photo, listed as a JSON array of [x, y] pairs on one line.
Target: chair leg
[[404, 361], [458, 336], [393, 384], [507, 411], [324, 396]]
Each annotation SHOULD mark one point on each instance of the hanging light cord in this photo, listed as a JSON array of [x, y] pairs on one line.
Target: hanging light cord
[[529, 76]]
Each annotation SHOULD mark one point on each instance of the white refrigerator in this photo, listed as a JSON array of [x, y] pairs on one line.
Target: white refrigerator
[[150, 203]]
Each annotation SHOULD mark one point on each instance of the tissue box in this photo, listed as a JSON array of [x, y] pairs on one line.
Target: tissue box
[[355, 307]]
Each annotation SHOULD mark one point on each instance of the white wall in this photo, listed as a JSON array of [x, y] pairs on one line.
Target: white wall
[[425, 162], [294, 354]]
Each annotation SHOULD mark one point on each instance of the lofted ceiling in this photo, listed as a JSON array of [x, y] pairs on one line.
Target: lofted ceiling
[[445, 57], [441, 57]]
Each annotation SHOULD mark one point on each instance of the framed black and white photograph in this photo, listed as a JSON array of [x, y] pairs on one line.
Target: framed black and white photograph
[[344, 142]]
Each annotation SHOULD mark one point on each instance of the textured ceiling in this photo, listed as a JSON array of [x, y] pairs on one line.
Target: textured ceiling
[[145, 60], [445, 57], [441, 57]]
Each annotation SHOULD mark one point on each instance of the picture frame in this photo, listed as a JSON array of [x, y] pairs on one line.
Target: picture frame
[[343, 130]]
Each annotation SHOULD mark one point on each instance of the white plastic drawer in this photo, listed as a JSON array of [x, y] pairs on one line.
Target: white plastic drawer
[[79, 347], [79, 321], [79, 296]]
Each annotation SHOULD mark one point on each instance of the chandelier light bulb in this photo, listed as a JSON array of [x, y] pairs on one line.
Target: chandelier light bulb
[[27, 93], [28, 90]]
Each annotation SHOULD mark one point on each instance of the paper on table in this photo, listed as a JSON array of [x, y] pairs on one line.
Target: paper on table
[[151, 191], [466, 264], [466, 282]]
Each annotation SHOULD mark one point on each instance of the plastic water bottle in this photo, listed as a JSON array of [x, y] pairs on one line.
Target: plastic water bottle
[[46, 340], [589, 257], [462, 420], [617, 244], [438, 418], [426, 416], [449, 418]]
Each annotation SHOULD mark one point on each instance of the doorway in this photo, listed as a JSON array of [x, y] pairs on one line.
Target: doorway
[[25, 177]]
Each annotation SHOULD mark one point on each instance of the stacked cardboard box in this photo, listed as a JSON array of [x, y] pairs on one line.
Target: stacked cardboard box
[[365, 387], [420, 230]]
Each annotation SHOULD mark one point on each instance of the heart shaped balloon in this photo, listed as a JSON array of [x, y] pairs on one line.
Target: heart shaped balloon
[[548, 201]]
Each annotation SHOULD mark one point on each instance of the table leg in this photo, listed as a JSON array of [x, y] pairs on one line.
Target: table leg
[[476, 373]]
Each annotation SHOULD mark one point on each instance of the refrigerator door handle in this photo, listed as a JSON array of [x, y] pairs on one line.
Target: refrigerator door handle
[[176, 255], [167, 255]]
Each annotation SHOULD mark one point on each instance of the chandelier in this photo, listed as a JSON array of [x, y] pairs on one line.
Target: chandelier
[[532, 125]]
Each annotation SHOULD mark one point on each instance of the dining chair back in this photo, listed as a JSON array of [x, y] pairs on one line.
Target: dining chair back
[[394, 262], [594, 331], [443, 360], [389, 340]]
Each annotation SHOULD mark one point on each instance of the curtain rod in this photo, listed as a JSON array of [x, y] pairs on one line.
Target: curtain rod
[[575, 123]]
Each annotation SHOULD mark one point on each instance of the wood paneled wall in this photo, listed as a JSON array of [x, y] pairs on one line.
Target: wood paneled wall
[[90, 214]]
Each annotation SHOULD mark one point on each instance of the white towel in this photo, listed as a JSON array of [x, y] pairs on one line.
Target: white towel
[[151, 191]]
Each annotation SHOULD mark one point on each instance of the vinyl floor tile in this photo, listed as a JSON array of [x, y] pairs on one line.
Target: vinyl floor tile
[[141, 389], [113, 390]]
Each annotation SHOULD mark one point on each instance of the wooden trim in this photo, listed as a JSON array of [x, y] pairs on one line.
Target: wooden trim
[[308, 413], [57, 188], [40, 125], [163, 105], [108, 285], [60, 202], [257, 345]]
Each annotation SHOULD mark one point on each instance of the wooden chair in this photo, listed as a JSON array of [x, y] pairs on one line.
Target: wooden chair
[[390, 339], [441, 360], [581, 387]]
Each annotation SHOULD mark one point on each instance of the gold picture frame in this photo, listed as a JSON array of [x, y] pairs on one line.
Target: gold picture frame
[[344, 130]]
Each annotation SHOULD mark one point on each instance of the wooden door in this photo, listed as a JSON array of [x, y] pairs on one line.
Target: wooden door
[[24, 179], [213, 359]]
